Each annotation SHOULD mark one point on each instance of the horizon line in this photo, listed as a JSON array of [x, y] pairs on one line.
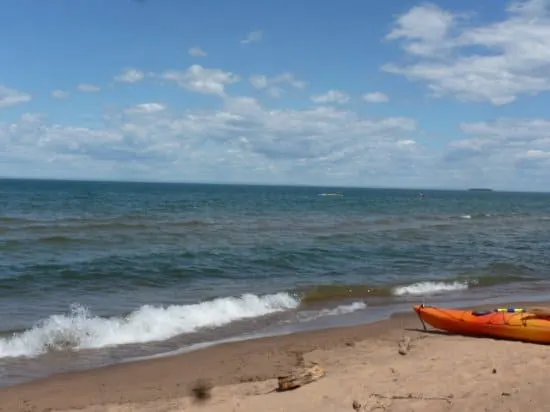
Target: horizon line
[[303, 185]]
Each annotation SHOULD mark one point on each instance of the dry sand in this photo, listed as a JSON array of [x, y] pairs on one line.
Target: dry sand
[[363, 370]]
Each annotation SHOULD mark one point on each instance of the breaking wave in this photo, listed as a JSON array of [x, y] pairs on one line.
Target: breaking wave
[[427, 288], [80, 329]]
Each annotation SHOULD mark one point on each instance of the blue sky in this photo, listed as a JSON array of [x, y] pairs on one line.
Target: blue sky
[[402, 93]]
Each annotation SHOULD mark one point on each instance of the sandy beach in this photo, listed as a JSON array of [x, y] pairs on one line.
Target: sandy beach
[[363, 371]]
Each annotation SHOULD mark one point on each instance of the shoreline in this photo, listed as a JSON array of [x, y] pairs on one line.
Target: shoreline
[[169, 377], [19, 370], [226, 365]]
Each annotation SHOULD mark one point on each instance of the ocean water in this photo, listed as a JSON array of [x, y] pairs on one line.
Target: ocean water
[[94, 273]]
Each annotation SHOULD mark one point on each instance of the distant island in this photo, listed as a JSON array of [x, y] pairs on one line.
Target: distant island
[[480, 189]]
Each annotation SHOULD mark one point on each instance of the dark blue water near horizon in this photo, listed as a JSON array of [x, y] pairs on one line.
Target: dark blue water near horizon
[[99, 272]]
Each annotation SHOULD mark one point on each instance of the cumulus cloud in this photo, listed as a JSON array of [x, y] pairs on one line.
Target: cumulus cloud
[[318, 139], [196, 52], [145, 108], [246, 141], [60, 94], [88, 88], [275, 85], [253, 37], [130, 75], [201, 80], [10, 97], [242, 141], [331, 97], [505, 152], [495, 62], [375, 97], [424, 30]]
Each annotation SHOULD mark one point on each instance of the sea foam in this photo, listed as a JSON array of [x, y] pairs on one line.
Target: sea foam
[[80, 329], [427, 288]]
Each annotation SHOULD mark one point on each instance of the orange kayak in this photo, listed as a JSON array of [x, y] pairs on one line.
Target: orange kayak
[[513, 324]]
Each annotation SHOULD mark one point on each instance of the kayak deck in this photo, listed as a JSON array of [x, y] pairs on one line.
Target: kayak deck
[[503, 324]]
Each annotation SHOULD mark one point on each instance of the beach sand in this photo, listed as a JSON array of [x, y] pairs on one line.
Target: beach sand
[[363, 370]]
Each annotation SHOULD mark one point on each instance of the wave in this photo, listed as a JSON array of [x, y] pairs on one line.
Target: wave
[[493, 274], [428, 288], [335, 292], [339, 310], [322, 293], [476, 216], [80, 329]]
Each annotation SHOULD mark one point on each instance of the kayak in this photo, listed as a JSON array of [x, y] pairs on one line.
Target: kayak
[[507, 323]]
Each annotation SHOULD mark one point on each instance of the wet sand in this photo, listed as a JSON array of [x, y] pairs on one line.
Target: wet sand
[[439, 373]]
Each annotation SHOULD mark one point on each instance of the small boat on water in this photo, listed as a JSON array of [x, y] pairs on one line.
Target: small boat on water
[[531, 325]]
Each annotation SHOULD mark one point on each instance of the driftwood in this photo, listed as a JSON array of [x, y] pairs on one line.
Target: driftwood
[[300, 378], [423, 397], [384, 402]]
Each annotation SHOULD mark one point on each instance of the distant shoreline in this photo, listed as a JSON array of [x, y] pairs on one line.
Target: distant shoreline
[[318, 186], [480, 189]]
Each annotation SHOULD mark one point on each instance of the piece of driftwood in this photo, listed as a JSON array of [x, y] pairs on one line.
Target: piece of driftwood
[[404, 345], [379, 401], [420, 396], [300, 378]]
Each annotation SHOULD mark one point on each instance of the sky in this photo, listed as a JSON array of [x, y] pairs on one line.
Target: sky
[[441, 94]]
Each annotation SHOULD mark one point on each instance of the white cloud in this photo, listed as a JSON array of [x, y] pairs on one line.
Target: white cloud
[[243, 141], [275, 85], [332, 96], [317, 139], [535, 154], [424, 29], [253, 37], [10, 97], [60, 94], [145, 108], [196, 52], [406, 143], [496, 62], [202, 80], [506, 152], [259, 81], [130, 75], [376, 97], [88, 88]]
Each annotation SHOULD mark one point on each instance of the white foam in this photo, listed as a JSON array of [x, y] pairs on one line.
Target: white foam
[[81, 330], [427, 288], [303, 317], [339, 310]]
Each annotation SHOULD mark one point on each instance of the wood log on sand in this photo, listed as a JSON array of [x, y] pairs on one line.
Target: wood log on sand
[[300, 378]]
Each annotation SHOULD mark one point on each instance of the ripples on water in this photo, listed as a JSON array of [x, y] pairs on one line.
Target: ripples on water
[[131, 250]]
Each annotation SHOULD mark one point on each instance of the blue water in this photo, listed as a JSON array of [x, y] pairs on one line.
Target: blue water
[[95, 272]]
